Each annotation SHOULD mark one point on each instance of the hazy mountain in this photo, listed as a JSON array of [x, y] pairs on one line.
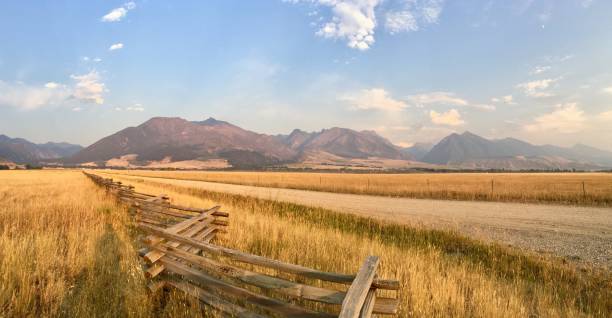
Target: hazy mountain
[[20, 150], [178, 139], [343, 142], [418, 150], [472, 151]]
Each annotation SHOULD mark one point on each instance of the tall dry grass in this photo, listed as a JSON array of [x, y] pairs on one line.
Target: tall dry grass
[[66, 250], [563, 188], [442, 274]]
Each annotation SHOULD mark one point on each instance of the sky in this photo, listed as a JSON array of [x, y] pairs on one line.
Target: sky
[[411, 70]]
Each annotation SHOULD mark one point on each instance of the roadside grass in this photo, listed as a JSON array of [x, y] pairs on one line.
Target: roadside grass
[[588, 189], [442, 273]]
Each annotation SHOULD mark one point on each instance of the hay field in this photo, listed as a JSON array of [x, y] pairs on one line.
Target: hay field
[[442, 274], [67, 250], [591, 189]]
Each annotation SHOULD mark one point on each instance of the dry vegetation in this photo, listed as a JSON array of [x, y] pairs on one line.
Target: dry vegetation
[[66, 249], [564, 188], [442, 274]]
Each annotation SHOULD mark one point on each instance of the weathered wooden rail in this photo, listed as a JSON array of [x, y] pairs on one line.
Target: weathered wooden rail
[[180, 254]]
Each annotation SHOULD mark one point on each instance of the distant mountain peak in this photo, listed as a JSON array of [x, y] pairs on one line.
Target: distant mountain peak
[[471, 150], [210, 121]]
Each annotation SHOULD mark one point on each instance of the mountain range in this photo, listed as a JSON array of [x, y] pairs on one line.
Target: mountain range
[[23, 151], [164, 142]]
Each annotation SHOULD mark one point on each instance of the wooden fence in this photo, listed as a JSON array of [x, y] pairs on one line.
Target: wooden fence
[[180, 255]]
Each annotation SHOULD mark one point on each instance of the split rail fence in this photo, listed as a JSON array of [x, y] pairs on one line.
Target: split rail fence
[[180, 255]]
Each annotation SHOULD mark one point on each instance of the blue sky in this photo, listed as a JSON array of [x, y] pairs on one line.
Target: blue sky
[[412, 70]]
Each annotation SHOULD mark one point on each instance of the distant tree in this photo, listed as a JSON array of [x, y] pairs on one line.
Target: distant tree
[[4, 167], [32, 167]]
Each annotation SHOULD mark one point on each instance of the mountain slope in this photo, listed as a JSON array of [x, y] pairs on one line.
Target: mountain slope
[[472, 151], [20, 150], [180, 139], [343, 142], [176, 139]]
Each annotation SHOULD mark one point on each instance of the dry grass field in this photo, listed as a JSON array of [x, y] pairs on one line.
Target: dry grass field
[[67, 249], [593, 189], [442, 274]]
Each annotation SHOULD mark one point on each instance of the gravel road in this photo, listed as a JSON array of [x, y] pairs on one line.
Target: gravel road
[[581, 234]]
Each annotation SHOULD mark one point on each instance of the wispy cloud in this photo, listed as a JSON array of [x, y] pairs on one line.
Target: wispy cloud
[[401, 21], [116, 46], [135, 108], [451, 117], [30, 97], [446, 98], [607, 90], [374, 98], [538, 88], [118, 14], [86, 88], [539, 69], [566, 118], [507, 99]]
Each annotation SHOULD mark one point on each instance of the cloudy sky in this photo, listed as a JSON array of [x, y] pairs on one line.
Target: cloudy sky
[[412, 70]]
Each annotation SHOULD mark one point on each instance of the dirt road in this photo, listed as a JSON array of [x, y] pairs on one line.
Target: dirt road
[[577, 233]]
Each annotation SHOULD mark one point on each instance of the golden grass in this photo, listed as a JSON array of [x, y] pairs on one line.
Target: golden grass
[[66, 250], [562, 188], [441, 274]]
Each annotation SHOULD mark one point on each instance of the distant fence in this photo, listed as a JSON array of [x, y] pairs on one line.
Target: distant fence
[[180, 254]]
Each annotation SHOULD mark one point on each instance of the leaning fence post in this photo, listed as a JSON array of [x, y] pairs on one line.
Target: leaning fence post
[[356, 295]]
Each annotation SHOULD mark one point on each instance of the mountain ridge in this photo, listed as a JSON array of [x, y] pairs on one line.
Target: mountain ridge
[[20, 150], [162, 140]]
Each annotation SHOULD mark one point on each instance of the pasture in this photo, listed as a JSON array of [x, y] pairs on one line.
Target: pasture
[[591, 189], [69, 249]]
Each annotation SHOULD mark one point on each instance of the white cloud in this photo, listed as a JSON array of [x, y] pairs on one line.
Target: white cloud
[[77, 109], [450, 118], [374, 98], [30, 97], [118, 14], [88, 87], [445, 98], [115, 46], [355, 21], [566, 118], [607, 90], [538, 88]]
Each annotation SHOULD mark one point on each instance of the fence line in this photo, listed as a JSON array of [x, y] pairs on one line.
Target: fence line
[[180, 255]]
